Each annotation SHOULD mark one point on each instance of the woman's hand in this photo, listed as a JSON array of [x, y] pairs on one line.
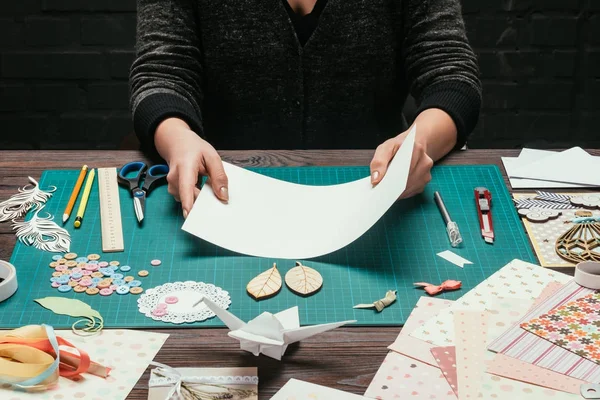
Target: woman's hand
[[420, 164], [189, 156]]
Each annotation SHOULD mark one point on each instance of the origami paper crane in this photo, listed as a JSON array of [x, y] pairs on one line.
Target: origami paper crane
[[269, 334]]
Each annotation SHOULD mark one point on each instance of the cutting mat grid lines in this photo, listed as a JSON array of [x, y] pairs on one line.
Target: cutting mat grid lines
[[398, 251]]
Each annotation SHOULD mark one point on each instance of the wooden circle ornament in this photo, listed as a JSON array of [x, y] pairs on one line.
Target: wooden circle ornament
[[303, 280]]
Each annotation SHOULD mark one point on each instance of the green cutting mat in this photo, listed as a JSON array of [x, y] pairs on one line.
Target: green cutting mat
[[398, 251]]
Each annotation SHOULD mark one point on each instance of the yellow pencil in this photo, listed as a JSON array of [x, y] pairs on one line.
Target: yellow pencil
[[85, 197], [75, 193]]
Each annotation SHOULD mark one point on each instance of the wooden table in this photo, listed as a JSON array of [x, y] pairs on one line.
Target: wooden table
[[346, 358]]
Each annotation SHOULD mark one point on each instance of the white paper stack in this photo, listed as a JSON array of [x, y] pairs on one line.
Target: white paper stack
[[535, 169]]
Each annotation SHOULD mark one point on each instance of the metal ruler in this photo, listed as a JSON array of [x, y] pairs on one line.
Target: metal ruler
[[110, 211]]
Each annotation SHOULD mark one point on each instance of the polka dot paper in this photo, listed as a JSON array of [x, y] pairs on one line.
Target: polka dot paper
[[127, 352], [471, 335], [446, 360]]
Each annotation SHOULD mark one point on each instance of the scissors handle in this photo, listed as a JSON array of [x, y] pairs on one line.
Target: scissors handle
[[133, 182], [155, 176]]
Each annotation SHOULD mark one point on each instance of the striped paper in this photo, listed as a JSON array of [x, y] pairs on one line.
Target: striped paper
[[555, 197], [530, 203], [528, 347]]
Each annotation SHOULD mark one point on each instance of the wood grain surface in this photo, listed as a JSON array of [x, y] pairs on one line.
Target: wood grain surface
[[346, 358]]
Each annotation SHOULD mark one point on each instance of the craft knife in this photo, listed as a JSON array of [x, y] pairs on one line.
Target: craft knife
[[483, 200]]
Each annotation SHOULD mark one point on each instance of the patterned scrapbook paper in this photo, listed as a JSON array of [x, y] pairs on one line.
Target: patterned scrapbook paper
[[548, 291], [295, 389], [518, 279], [446, 360], [426, 308], [516, 369], [471, 338], [528, 347], [401, 377], [574, 326]]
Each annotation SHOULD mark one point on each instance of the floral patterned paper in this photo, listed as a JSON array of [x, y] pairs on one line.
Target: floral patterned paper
[[574, 326]]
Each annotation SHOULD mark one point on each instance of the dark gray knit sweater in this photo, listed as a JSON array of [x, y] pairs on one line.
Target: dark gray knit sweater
[[236, 73]]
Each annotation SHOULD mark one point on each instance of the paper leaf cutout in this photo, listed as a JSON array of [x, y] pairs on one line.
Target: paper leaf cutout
[[75, 308], [303, 280], [266, 284], [43, 234], [28, 197]]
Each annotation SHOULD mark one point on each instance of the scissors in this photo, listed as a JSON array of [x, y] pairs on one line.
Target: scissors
[[153, 176]]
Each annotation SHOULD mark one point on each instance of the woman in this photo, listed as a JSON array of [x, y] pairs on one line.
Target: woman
[[291, 74]]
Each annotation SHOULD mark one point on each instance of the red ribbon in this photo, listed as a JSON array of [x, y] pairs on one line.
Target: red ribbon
[[434, 289]]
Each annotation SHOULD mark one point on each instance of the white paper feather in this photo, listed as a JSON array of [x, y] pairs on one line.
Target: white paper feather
[[27, 198], [43, 233]]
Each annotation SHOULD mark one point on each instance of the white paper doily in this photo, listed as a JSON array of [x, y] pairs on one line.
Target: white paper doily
[[188, 293]]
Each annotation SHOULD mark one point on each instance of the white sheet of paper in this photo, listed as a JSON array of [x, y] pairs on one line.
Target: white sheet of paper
[[266, 217], [454, 258], [300, 390], [528, 156], [574, 165]]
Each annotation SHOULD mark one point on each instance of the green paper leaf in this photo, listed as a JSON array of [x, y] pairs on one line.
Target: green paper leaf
[[73, 308]]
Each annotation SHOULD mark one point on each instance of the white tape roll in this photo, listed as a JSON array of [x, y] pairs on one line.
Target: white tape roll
[[587, 274], [9, 285]]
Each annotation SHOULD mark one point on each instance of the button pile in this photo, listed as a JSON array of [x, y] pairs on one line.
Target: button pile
[[92, 276]]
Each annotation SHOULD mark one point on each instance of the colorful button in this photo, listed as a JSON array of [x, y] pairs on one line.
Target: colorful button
[[62, 279], [114, 263], [79, 289], [128, 278], [81, 265], [161, 306], [57, 257], [70, 256], [113, 287], [53, 264], [171, 299], [92, 267], [143, 273], [106, 292], [64, 288], [93, 257], [96, 279], [123, 289], [103, 264], [106, 271], [67, 272], [73, 283], [135, 283], [61, 261], [93, 262], [97, 275], [76, 270], [93, 284], [92, 291], [119, 282], [136, 290], [71, 263], [76, 275], [117, 276], [55, 284], [85, 272], [103, 284], [155, 263], [85, 283], [125, 268], [55, 274], [82, 259], [61, 267], [159, 312]]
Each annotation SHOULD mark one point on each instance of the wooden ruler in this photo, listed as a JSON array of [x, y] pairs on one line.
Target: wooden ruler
[[110, 211]]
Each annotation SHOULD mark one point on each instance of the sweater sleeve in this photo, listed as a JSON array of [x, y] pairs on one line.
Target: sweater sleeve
[[165, 78], [440, 64]]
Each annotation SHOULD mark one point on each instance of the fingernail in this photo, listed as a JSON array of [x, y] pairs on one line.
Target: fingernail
[[185, 214], [224, 193], [374, 176]]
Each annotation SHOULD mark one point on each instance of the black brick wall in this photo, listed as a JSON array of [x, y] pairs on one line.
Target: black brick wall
[[64, 66]]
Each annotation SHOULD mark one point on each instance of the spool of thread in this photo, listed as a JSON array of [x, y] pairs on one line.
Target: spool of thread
[[8, 280]]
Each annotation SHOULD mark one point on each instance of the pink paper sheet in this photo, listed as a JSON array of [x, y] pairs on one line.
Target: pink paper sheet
[[446, 359]]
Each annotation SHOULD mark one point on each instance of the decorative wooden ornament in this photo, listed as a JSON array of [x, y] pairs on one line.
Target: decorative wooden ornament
[[303, 280], [266, 284], [588, 200], [539, 214], [581, 242]]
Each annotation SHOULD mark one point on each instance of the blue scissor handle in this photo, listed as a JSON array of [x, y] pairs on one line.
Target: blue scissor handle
[[138, 167], [156, 175]]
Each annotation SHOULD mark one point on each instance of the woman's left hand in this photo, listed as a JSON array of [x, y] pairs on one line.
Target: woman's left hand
[[420, 165]]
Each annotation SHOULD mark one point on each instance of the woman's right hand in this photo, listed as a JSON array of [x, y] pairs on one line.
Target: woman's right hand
[[189, 156]]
